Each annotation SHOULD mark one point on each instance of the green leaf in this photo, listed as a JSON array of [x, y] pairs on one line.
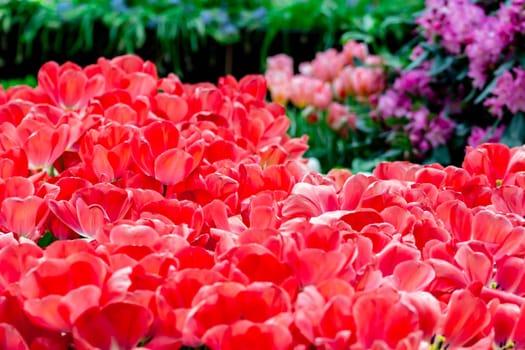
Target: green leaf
[[393, 154], [396, 121], [360, 165], [462, 74], [520, 56], [441, 64], [515, 133], [415, 63], [369, 23], [488, 89], [431, 47], [439, 155], [365, 125], [29, 80], [505, 66], [470, 95], [354, 35], [46, 240]]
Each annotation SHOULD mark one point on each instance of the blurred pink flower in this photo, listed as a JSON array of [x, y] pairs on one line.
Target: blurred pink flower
[[306, 91], [280, 62], [326, 65], [338, 116], [374, 60], [359, 81], [353, 49], [280, 93]]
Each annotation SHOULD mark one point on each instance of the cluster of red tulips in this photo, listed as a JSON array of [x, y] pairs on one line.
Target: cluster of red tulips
[[184, 216]]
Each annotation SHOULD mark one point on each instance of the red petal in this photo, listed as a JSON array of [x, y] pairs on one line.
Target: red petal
[[394, 254], [91, 218], [24, 216], [412, 275], [466, 317], [122, 324], [48, 312], [48, 79], [172, 107], [173, 166], [133, 235], [10, 339], [477, 266], [71, 88]]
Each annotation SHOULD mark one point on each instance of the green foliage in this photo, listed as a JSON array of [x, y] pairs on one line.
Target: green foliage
[[386, 27], [360, 149], [46, 240], [112, 27], [29, 80], [515, 132]]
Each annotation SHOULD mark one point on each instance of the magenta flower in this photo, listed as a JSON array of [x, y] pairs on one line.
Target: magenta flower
[[479, 135], [509, 92]]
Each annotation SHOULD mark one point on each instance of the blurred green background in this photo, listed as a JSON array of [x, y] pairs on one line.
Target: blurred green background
[[200, 40]]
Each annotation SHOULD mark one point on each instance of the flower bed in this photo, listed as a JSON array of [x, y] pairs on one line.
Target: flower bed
[[185, 216], [459, 80], [460, 88], [330, 100]]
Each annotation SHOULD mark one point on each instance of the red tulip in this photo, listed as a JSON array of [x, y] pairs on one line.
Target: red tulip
[[260, 266], [157, 154], [245, 334], [457, 219], [380, 316], [16, 260], [393, 254], [490, 160], [518, 334], [13, 162], [476, 265], [68, 85], [46, 145], [131, 73], [170, 107], [413, 275], [10, 338], [504, 317], [310, 201], [58, 291], [465, 318], [92, 207], [428, 310], [120, 324], [308, 313], [510, 273], [22, 211], [313, 266], [107, 151]]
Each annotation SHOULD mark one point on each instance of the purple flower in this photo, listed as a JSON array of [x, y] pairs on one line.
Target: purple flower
[[486, 48], [415, 82], [418, 120], [393, 104], [425, 131], [509, 92], [512, 19], [440, 130], [479, 135], [452, 21]]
